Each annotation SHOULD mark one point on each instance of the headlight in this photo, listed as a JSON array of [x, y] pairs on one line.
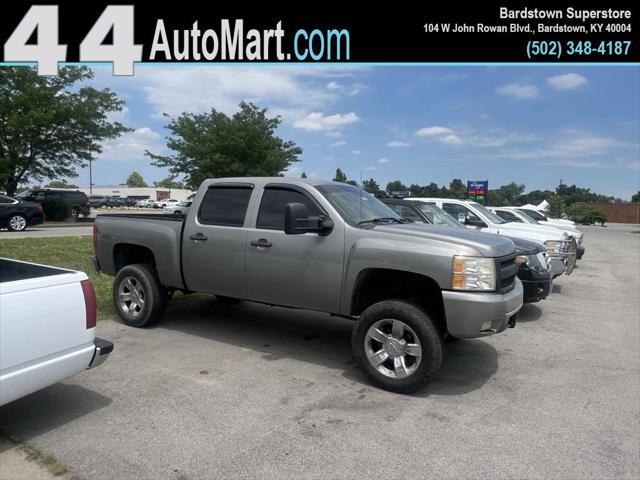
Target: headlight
[[553, 246], [473, 273]]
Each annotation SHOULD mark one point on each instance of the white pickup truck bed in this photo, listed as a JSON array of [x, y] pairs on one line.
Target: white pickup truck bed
[[47, 327]]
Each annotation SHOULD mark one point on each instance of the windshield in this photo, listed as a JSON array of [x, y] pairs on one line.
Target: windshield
[[357, 206], [437, 216], [493, 218], [526, 218], [533, 214]]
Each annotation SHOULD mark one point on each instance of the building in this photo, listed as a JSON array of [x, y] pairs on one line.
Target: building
[[626, 212], [141, 193]]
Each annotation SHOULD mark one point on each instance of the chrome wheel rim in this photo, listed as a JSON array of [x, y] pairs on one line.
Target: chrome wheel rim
[[393, 348], [131, 296], [17, 223]]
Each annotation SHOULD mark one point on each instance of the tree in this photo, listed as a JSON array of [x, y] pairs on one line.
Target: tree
[[371, 186], [304, 175], [457, 189], [635, 197], [169, 182], [340, 176], [396, 186], [214, 144], [60, 184], [506, 195], [135, 180], [51, 125]]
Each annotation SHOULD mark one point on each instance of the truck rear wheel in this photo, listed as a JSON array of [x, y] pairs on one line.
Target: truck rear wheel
[[138, 296], [397, 346]]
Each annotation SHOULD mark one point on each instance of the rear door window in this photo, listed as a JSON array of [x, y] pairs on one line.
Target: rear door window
[[225, 206]]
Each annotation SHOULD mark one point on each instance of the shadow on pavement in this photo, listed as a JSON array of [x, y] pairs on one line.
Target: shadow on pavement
[[320, 339], [529, 313], [47, 409]]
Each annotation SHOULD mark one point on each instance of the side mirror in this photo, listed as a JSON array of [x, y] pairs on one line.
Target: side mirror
[[298, 221], [474, 222]]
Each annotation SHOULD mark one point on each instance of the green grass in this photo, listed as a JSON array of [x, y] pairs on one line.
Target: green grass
[[44, 459], [65, 252]]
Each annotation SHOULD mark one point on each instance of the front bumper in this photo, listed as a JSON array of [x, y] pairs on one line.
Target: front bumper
[[102, 350], [557, 265], [536, 285], [478, 314]]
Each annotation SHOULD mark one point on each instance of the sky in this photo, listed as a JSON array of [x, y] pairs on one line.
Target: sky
[[418, 124]]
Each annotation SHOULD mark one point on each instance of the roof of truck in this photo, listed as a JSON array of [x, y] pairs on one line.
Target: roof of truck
[[265, 180]]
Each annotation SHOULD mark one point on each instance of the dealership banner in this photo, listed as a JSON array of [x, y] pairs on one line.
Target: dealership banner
[[126, 33]]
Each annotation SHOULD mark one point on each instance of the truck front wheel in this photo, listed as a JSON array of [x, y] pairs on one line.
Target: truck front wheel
[[397, 346], [138, 296]]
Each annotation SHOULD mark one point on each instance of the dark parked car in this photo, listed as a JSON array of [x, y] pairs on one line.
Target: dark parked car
[[16, 215], [99, 201], [77, 199], [128, 201], [533, 269]]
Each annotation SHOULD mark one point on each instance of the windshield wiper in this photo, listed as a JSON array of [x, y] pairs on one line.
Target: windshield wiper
[[382, 220]]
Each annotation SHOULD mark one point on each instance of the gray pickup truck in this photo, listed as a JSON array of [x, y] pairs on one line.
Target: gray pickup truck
[[321, 246]]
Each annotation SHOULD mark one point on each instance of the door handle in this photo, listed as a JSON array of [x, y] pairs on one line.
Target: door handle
[[198, 236], [261, 243]]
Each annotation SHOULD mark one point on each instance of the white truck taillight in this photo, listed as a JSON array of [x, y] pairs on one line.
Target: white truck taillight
[[89, 302]]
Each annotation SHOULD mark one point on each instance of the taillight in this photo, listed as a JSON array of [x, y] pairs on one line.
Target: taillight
[[95, 237], [89, 302]]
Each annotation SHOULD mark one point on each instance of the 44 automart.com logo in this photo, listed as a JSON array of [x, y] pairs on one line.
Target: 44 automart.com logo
[[232, 41]]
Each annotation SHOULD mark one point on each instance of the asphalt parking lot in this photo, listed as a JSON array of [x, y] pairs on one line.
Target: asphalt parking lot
[[258, 392]]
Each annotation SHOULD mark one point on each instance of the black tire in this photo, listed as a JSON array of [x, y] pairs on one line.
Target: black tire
[[17, 223], [420, 325], [75, 214], [154, 295]]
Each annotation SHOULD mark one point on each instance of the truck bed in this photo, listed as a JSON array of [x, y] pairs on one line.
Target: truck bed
[[13, 270], [127, 234]]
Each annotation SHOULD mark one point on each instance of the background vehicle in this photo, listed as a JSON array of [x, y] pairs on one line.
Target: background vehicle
[[166, 202], [17, 215], [77, 199], [47, 320], [321, 246], [127, 201], [514, 214], [100, 201], [533, 261], [561, 248], [181, 208], [540, 216], [146, 203]]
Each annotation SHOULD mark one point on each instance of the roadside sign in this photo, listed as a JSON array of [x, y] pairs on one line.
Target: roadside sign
[[477, 190]]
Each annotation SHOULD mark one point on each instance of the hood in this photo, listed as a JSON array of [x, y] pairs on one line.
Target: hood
[[561, 222], [572, 232], [489, 245], [526, 247], [536, 233]]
